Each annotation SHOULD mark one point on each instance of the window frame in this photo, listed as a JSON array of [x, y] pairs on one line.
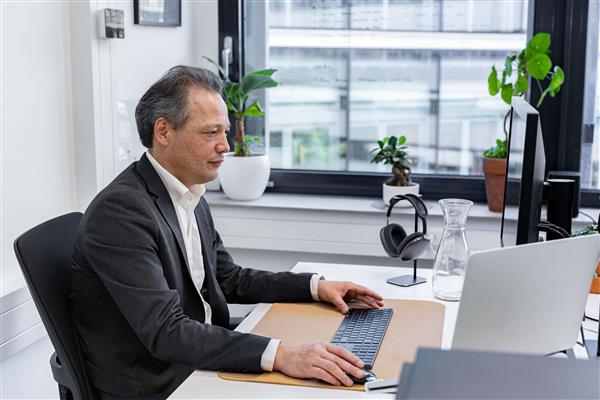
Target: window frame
[[565, 20]]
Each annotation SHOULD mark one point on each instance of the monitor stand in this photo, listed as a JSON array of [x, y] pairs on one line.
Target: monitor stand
[[408, 280]]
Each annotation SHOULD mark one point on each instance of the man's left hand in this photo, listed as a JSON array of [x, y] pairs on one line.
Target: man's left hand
[[339, 293]]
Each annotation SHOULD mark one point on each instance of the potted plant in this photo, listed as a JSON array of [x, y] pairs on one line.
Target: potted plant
[[393, 151], [532, 62], [244, 175], [592, 230]]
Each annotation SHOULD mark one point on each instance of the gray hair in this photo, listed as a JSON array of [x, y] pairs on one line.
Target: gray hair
[[168, 98]]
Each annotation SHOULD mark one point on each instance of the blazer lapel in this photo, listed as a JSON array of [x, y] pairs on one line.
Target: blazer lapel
[[163, 201]]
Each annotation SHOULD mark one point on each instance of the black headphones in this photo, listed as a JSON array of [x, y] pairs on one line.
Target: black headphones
[[394, 239]]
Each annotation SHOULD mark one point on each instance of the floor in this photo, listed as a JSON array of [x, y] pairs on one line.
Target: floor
[[27, 375]]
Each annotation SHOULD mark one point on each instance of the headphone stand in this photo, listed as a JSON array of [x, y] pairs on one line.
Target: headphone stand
[[409, 280]]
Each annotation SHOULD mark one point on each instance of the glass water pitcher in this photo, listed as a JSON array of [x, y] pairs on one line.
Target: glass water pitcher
[[451, 257]]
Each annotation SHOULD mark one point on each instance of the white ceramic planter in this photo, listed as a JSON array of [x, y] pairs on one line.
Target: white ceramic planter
[[244, 178], [391, 191]]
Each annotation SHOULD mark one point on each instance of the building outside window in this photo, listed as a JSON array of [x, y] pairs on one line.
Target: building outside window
[[590, 143], [353, 72]]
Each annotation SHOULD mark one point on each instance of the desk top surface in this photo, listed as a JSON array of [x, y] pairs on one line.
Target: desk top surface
[[206, 384]]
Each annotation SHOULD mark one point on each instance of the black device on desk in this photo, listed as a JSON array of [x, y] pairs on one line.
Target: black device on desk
[[526, 184], [458, 374], [527, 187], [361, 332], [525, 173]]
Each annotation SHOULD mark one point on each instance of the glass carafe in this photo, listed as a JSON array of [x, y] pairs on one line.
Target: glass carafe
[[450, 262]]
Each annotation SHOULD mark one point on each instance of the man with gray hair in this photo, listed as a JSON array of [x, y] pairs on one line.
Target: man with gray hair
[[151, 278]]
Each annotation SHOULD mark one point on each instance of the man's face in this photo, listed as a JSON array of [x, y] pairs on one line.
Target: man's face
[[194, 153]]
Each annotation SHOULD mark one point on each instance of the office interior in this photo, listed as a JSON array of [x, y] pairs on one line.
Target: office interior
[[351, 73]]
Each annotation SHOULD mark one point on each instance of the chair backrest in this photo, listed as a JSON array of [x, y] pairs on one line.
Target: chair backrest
[[45, 254]]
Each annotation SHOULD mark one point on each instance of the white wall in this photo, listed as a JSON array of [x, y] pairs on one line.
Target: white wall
[[111, 75], [38, 175], [40, 178], [60, 122], [145, 54]]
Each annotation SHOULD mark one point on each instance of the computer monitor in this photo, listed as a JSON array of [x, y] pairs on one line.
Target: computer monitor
[[525, 174]]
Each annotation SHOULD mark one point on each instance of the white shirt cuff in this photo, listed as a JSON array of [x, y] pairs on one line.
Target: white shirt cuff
[[268, 356], [314, 286]]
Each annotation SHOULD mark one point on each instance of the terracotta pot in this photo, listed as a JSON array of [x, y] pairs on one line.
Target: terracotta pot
[[596, 281], [494, 170]]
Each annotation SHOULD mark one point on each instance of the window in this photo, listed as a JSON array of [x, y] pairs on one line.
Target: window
[[363, 70], [590, 141], [354, 71]]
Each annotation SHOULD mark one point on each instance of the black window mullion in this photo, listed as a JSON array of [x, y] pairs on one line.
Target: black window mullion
[[230, 24], [549, 16], [368, 184], [561, 116], [571, 115], [230, 21]]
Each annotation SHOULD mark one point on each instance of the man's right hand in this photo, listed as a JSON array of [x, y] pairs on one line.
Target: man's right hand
[[323, 361]]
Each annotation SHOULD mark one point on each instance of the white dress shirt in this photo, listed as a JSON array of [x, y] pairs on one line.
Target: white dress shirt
[[185, 201]]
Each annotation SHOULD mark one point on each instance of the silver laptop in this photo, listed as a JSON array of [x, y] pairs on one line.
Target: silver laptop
[[528, 298]]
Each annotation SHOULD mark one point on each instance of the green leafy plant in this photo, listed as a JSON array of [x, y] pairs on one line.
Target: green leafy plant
[[500, 150], [532, 62], [236, 95], [393, 151], [588, 230]]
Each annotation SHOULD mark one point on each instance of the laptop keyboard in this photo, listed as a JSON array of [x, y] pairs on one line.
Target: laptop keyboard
[[361, 332]]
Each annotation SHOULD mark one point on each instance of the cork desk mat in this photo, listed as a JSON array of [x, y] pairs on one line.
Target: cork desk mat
[[415, 323]]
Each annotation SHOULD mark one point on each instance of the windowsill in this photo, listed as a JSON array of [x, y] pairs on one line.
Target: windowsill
[[339, 224], [371, 205], [341, 204]]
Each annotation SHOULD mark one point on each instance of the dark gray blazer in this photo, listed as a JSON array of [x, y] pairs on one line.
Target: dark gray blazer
[[133, 302]]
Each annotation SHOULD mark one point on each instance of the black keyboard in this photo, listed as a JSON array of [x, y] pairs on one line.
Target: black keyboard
[[361, 332]]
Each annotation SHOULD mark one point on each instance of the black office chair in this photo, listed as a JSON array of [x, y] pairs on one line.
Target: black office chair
[[45, 254]]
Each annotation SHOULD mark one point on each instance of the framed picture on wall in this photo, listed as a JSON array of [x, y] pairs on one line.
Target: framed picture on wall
[[157, 12]]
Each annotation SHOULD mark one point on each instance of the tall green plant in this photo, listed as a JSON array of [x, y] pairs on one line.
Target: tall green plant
[[236, 95], [393, 151], [532, 62]]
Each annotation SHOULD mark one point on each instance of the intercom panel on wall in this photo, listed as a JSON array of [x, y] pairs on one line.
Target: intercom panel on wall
[[111, 24]]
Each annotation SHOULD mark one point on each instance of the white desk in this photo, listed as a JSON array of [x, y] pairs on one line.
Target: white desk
[[206, 384]]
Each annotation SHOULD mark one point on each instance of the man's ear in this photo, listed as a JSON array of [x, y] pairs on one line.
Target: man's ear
[[162, 130]]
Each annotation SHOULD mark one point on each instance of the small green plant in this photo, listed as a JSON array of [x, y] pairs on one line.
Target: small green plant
[[246, 145], [393, 151], [500, 150], [236, 95], [588, 230], [532, 62]]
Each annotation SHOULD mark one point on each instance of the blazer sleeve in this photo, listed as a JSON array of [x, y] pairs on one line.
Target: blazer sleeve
[[249, 286], [120, 244]]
